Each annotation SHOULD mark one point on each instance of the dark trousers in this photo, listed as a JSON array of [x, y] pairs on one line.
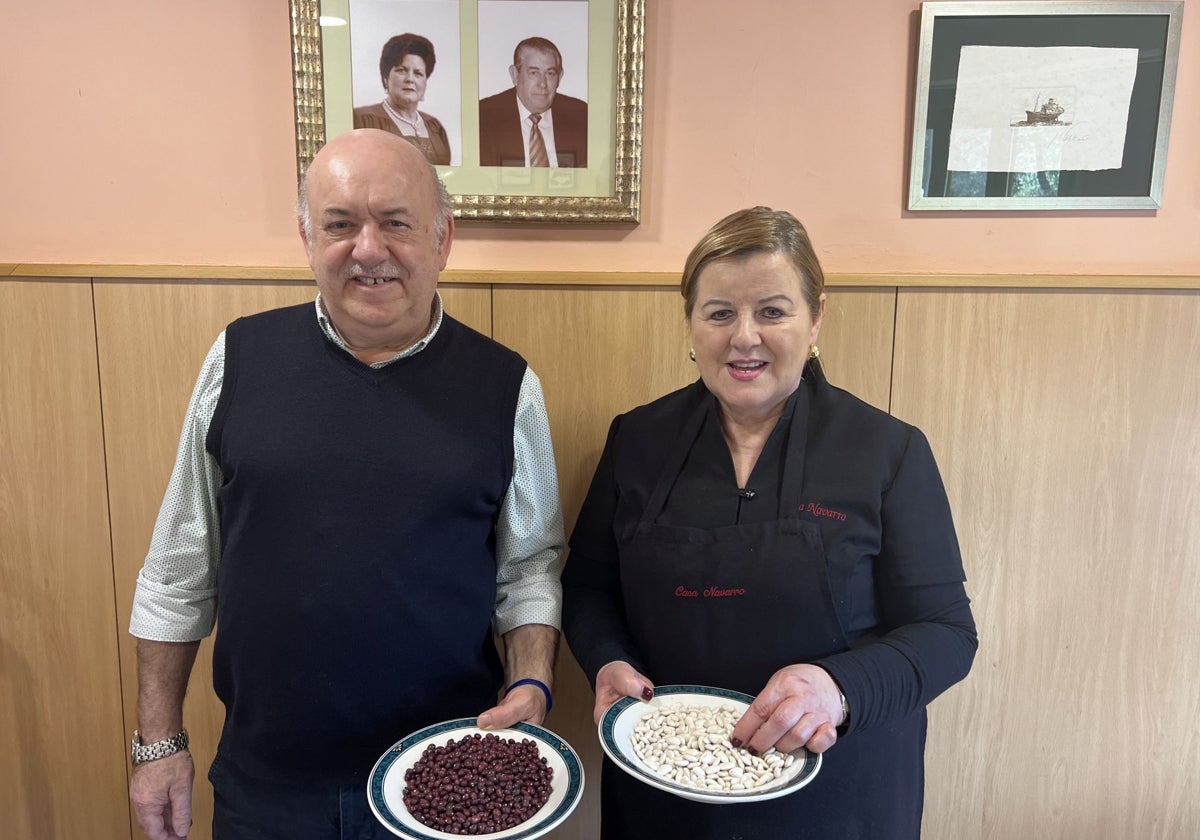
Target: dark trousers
[[246, 808]]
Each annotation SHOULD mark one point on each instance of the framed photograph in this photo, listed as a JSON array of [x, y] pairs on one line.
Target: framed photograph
[[531, 110], [1043, 105]]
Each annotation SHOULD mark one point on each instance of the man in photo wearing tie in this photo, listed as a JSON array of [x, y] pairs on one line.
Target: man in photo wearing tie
[[531, 124]]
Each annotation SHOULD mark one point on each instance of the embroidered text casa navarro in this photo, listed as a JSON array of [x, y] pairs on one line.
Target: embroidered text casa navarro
[[817, 510], [710, 592]]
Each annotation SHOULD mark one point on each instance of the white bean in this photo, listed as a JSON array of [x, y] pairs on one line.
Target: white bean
[[689, 745]]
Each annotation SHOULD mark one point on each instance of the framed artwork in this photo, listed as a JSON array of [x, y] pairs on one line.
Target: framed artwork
[[531, 110], [1043, 105]]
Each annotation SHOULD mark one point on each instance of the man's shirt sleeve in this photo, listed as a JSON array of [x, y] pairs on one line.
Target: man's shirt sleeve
[[176, 595], [529, 532]]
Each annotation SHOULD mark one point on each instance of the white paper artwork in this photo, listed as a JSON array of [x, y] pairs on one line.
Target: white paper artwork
[[1036, 109]]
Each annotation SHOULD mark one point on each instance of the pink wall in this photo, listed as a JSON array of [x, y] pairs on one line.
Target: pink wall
[[138, 131]]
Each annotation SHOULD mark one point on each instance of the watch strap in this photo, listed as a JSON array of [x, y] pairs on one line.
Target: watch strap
[[141, 753]]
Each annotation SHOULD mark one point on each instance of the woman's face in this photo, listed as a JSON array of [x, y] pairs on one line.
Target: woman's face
[[751, 330], [406, 82]]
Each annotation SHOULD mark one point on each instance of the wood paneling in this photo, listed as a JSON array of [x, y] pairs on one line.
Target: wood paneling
[[1067, 427], [600, 352], [608, 278], [470, 304], [153, 337], [62, 746], [856, 342]]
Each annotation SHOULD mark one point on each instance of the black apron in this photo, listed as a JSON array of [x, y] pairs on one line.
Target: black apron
[[728, 607]]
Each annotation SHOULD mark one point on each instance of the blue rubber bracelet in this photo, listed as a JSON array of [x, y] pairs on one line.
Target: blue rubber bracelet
[[530, 681]]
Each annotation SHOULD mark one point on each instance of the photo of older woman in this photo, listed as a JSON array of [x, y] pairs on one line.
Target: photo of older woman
[[405, 65]]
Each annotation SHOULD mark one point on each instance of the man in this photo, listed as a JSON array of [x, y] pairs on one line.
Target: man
[[364, 490], [531, 123]]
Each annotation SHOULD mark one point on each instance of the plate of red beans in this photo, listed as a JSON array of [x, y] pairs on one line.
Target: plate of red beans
[[454, 779]]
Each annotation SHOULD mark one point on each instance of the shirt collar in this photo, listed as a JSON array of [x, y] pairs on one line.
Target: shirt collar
[[547, 120], [332, 334]]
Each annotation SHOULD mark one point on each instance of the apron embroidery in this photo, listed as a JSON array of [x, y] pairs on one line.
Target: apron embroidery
[[710, 592], [817, 510], [695, 595]]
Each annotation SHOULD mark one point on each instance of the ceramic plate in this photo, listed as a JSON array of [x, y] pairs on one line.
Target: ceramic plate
[[617, 726], [385, 789]]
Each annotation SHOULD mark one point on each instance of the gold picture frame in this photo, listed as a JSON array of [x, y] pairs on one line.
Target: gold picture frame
[[608, 190]]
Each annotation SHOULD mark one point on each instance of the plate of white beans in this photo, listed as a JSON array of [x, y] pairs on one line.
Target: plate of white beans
[[679, 743]]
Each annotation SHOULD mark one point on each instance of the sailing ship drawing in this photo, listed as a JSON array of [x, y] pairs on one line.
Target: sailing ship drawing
[[1047, 114]]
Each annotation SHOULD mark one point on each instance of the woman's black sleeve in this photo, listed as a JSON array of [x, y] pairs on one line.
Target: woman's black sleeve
[[593, 606], [926, 638]]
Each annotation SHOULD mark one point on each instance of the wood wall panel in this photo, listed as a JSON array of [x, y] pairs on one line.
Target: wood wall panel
[[856, 342], [470, 304], [600, 352], [1067, 426], [153, 338], [62, 745]]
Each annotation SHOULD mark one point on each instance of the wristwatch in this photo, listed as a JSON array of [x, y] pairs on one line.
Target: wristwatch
[[141, 753]]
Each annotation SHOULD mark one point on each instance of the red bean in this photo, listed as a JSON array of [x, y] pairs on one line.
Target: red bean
[[479, 784]]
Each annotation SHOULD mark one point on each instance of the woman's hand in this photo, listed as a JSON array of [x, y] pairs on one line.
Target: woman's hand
[[799, 707], [619, 679]]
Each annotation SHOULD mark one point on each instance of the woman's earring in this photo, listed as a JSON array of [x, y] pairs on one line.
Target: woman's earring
[[692, 354], [814, 352]]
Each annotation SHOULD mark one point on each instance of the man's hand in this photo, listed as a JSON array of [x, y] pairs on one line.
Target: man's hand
[[525, 702], [529, 652], [161, 794]]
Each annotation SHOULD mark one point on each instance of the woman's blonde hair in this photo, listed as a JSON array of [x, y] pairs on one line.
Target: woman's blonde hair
[[756, 230]]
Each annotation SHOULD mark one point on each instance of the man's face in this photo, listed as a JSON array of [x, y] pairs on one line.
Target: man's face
[[373, 248], [536, 76]]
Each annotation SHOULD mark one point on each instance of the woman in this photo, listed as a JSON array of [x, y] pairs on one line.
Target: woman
[[822, 523], [405, 66]]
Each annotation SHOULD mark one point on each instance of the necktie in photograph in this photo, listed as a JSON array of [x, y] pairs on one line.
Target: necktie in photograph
[[537, 146]]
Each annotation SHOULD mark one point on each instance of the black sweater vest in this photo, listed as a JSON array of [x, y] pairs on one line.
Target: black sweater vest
[[358, 574]]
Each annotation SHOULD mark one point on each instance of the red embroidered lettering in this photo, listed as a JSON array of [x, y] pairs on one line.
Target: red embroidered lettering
[[680, 592], [717, 592], [824, 512]]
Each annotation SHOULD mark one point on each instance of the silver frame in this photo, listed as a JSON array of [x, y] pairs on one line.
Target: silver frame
[[930, 12]]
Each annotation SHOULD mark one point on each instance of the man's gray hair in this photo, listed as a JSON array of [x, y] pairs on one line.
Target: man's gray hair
[[302, 206], [441, 222]]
